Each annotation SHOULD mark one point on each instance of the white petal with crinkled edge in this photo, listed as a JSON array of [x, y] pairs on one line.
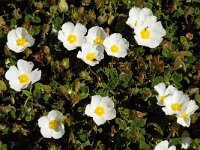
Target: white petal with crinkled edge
[[59, 133], [99, 120], [12, 74], [46, 132], [17, 86], [163, 145], [24, 66], [55, 114], [95, 101], [43, 121], [35, 75], [89, 111], [67, 28]]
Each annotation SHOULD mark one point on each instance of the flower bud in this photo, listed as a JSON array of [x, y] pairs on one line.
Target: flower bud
[[63, 6]]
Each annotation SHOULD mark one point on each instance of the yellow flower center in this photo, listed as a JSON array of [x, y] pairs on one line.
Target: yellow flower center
[[21, 42], [184, 115], [91, 56], [24, 78], [53, 124], [98, 40], [114, 48], [72, 39], [162, 98], [99, 111], [145, 33], [176, 107]]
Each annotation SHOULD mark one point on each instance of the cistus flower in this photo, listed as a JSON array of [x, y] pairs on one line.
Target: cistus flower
[[138, 16], [72, 36], [116, 46], [91, 54], [19, 39], [150, 33], [176, 103], [163, 92], [183, 118], [164, 145], [96, 35], [51, 126], [101, 109], [21, 76]]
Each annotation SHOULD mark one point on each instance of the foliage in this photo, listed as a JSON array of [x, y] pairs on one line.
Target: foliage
[[67, 83]]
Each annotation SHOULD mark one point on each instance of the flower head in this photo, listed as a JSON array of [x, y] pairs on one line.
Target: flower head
[[176, 103], [164, 145], [163, 92], [138, 16], [19, 39], [183, 117], [51, 125], [91, 54], [19, 77], [72, 36], [96, 35], [150, 33], [115, 45], [101, 109]]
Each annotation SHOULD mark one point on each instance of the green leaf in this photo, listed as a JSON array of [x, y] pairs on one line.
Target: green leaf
[[27, 93], [122, 124], [57, 23], [138, 122], [157, 80], [28, 18], [35, 30], [197, 98], [125, 79], [144, 146], [190, 59], [36, 19], [177, 77], [3, 147], [112, 76]]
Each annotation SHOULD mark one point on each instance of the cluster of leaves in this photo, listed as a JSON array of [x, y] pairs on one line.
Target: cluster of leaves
[[67, 83]]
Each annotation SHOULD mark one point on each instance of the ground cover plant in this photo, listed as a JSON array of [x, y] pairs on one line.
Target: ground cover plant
[[99, 74]]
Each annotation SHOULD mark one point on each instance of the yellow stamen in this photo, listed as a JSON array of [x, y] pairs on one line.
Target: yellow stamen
[[21, 42], [145, 33], [98, 40], [135, 24], [99, 111], [24, 78], [91, 56], [176, 107], [72, 38], [183, 115], [53, 124], [114, 48], [162, 98]]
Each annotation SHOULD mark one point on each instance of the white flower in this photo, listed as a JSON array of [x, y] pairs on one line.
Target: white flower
[[72, 36], [164, 145], [115, 45], [19, 77], [183, 117], [19, 40], [138, 16], [101, 109], [91, 54], [150, 33], [175, 103], [186, 141], [163, 92], [51, 125], [96, 35]]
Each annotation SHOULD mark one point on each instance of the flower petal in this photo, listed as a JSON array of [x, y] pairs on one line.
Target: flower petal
[[35, 75], [25, 66], [99, 120], [12, 74]]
